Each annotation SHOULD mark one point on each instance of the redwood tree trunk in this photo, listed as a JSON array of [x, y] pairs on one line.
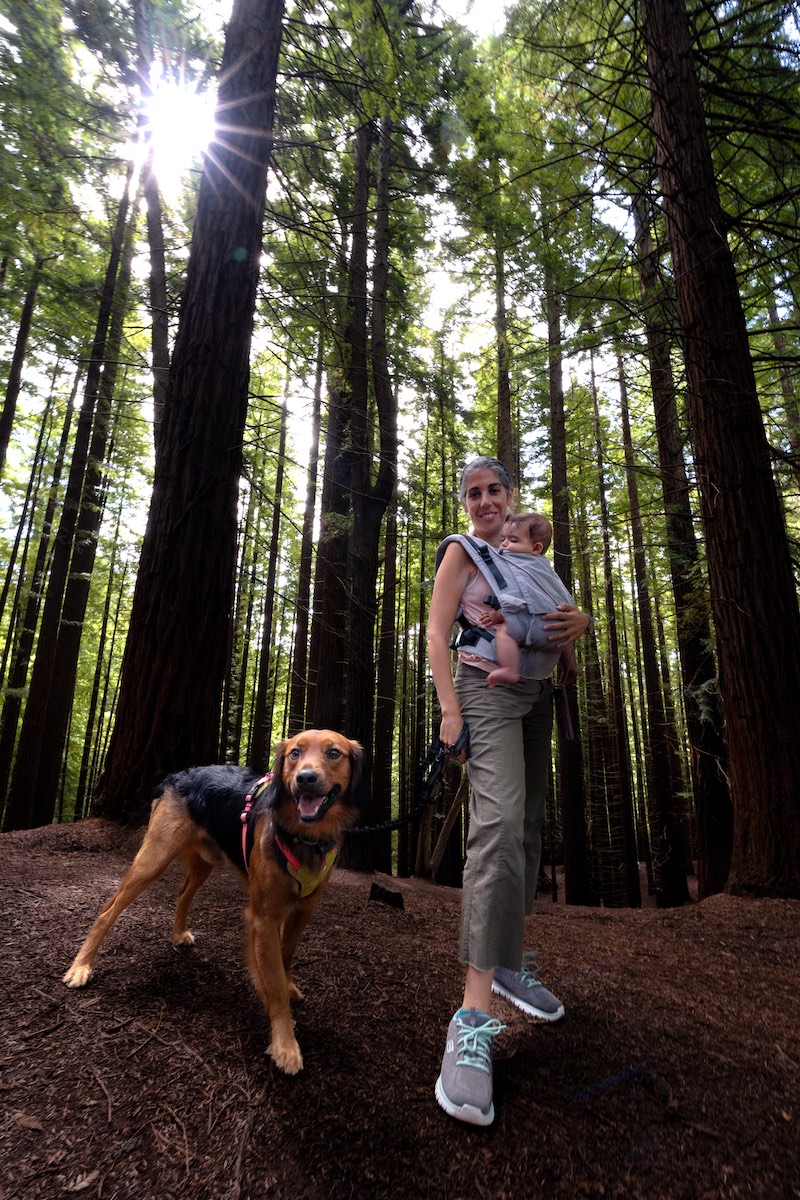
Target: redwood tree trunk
[[507, 444], [701, 699], [663, 766], [622, 878], [178, 645], [753, 594], [18, 360], [370, 499], [261, 740], [23, 796], [159, 300], [299, 676], [571, 779]]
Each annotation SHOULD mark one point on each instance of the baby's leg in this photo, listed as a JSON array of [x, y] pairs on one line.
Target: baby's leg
[[507, 657]]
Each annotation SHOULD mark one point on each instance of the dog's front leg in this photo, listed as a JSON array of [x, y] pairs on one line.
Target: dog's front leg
[[269, 976], [293, 929]]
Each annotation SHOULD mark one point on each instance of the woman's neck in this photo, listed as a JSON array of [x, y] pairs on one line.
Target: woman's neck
[[492, 541]]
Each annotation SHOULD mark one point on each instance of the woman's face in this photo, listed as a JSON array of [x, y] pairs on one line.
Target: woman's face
[[486, 503]]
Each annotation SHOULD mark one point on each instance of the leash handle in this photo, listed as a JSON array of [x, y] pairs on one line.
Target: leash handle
[[461, 742]]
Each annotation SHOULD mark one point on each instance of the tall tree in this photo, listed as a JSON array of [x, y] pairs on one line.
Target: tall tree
[[571, 787], [623, 861], [24, 798], [17, 361], [663, 768], [178, 644], [701, 700], [753, 593]]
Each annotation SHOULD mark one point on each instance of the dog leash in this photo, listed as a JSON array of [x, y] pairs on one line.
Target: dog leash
[[428, 788]]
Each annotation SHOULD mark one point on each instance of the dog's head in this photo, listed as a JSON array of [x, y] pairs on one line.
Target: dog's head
[[317, 780]]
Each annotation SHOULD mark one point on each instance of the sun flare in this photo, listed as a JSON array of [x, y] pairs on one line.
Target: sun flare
[[180, 125]]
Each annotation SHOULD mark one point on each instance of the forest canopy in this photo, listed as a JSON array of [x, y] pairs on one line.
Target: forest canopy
[[241, 377]]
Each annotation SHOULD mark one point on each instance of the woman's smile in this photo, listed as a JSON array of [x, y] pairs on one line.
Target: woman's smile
[[487, 503]]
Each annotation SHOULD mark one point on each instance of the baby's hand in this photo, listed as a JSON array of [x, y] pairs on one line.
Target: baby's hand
[[490, 617]]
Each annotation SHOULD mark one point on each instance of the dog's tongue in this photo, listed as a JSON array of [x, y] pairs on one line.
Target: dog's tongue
[[308, 806]]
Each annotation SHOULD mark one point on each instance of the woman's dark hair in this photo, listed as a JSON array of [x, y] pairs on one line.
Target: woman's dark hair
[[483, 463]]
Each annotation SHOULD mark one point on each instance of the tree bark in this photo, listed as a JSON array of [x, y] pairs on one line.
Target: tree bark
[[260, 743], [178, 646], [701, 699], [64, 667], [663, 767], [370, 499], [622, 880], [298, 697], [159, 306], [23, 796], [753, 594], [18, 669], [18, 360], [386, 700], [571, 786], [507, 445]]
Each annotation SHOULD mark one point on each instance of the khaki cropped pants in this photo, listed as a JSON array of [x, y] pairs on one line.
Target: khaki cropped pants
[[510, 739]]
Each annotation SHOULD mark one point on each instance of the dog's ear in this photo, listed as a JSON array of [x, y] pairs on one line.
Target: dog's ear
[[276, 783], [357, 797]]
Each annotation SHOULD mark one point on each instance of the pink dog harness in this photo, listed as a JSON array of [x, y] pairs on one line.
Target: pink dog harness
[[309, 878], [248, 804]]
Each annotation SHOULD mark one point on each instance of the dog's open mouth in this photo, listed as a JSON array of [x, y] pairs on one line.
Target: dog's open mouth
[[308, 806], [311, 808]]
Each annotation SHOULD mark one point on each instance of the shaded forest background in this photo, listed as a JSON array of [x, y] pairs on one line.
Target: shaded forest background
[[235, 410]]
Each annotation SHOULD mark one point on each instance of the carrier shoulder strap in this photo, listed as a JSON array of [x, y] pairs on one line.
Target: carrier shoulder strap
[[480, 553]]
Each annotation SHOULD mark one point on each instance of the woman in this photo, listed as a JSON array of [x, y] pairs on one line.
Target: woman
[[510, 732]]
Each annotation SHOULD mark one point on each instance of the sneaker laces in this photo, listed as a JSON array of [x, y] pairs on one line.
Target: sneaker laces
[[475, 1043], [529, 971]]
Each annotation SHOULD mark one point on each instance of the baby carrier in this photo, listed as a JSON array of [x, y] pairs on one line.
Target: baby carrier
[[524, 588]]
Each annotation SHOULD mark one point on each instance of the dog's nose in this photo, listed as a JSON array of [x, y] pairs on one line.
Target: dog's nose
[[307, 778]]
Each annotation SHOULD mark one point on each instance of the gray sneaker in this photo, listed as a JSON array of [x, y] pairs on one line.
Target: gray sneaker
[[524, 989], [464, 1086]]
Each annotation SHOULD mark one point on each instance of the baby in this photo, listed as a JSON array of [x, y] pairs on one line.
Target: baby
[[523, 533]]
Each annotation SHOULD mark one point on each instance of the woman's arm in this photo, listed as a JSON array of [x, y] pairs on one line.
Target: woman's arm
[[455, 572]]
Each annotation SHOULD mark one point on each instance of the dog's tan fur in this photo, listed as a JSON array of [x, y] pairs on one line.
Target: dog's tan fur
[[276, 913]]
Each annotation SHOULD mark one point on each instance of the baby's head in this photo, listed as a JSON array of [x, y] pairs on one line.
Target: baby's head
[[527, 533]]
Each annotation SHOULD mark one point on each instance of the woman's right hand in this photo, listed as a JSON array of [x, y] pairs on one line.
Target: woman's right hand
[[449, 733]]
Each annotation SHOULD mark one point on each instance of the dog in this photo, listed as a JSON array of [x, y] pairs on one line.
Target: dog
[[281, 833]]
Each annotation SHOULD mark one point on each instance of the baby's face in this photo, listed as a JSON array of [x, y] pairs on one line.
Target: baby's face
[[517, 539]]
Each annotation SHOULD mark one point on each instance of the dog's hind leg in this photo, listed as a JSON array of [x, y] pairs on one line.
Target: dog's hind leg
[[169, 833], [198, 870]]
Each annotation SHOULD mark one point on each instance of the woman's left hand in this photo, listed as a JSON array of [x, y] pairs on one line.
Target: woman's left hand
[[567, 623]]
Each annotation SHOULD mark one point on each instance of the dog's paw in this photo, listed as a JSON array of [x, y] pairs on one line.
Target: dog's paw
[[78, 976], [184, 938], [287, 1057]]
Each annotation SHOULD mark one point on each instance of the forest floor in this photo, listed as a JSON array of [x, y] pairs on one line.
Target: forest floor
[[675, 1073]]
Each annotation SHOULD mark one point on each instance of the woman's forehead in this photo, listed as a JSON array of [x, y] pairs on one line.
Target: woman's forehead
[[483, 477]]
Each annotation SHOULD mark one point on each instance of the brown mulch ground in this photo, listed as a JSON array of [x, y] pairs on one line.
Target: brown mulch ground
[[676, 1072]]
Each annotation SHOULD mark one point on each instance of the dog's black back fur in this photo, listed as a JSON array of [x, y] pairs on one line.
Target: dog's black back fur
[[215, 798]]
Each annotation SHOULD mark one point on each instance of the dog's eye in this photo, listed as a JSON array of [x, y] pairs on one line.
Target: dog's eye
[[294, 752], [332, 752]]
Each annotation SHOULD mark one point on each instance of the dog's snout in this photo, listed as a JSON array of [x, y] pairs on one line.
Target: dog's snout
[[307, 778]]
